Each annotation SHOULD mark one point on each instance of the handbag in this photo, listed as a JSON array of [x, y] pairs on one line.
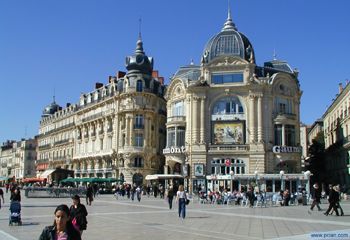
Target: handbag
[[187, 201], [75, 224]]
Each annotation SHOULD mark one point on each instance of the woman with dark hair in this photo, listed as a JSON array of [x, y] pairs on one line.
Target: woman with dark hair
[[62, 228], [78, 214]]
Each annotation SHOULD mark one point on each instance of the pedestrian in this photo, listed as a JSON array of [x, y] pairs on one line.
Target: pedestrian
[[89, 195], [286, 197], [138, 193], [7, 186], [62, 228], [15, 195], [78, 214], [250, 196], [181, 199], [132, 192], [337, 204], [2, 196], [333, 201], [316, 197], [170, 197]]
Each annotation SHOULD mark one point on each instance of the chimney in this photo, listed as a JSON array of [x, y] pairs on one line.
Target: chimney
[[121, 74], [154, 74], [68, 105], [111, 79], [340, 87], [98, 85]]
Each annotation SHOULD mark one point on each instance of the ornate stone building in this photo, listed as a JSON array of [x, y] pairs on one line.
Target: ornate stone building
[[336, 127], [229, 119], [117, 130], [17, 159]]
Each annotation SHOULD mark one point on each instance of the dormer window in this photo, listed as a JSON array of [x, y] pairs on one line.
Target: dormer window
[[139, 86]]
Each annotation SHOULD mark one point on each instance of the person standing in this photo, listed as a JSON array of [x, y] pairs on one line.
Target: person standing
[[78, 214], [89, 195], [181, 199], [138, 193], [316, 197], [15, 195], [2, 196], [62, 228], [170, 196]]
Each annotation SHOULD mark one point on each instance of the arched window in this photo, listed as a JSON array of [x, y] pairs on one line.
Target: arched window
[[139, 86]]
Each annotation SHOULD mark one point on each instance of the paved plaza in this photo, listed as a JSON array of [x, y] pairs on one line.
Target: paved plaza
[[151, 219]]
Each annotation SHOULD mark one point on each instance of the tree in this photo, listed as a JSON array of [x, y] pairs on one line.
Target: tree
[[317, 160]]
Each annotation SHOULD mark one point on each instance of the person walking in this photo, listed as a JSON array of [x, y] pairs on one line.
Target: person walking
[[89, 195], [181, 199], [15, 195], [316, 197], [170, 197], [78, 214], [333, 200], [2, 196], [62, 228]]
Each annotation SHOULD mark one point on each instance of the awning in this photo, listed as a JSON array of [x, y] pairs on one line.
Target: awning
[[34, 179], [47, 173], [163, 176], [5, 178]]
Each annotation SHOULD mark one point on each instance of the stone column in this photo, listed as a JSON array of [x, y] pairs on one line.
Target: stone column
[[127, 131], [120, 119], [188, 120], [283, 136], [202, 129], [149, 137], [260, 119], [195, 120], [251, 118], [131, 127], [145, 132]]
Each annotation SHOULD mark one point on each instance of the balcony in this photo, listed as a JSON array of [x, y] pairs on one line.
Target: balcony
[[228, 148], [45, 160], [283, 115], [62, 141], [44, 147], [92, 117], [139, 126], [176, 119]]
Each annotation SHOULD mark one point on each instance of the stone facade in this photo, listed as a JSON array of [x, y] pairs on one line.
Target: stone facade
[[117, 130], [231, 116], [17, 159], [336, 126]]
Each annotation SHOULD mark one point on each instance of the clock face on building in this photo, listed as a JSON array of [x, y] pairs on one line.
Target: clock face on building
[[139, 59]]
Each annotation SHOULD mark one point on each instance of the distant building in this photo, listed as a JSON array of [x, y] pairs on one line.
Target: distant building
[[336, 121], [18, 159]]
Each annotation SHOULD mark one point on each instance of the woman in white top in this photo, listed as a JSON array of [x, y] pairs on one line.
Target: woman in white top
[[181, 199]]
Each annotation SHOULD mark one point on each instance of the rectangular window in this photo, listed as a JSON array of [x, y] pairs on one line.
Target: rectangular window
[[180, 137], [289, 133], [139, 140], [219, 78], [171, 137], [278, 134], [138, 121], [178, 109]]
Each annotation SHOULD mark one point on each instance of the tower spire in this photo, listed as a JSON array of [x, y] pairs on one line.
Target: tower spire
[[139, 43], [229, 25], [274, 54]]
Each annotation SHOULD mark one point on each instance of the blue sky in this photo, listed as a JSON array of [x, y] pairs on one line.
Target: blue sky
[[69, 45]]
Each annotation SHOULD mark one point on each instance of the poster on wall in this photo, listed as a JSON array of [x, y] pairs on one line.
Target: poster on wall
[[198, 170], [228, 133]]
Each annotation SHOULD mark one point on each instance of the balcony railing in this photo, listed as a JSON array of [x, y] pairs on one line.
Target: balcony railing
[[45, 160], [46, 146], [176, 119], [62, 141], [92, 117], [233, 148], [139, 126]]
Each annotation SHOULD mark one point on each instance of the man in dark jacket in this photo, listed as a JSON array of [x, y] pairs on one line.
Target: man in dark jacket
[[333, 201], [316, 197]]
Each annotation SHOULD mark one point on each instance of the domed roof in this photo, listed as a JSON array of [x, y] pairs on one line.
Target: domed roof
[[139, 62], [228, 42], [51, 109]]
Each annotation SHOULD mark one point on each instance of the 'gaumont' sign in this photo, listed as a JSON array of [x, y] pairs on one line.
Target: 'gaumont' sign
[[174, 150], [286, 149]]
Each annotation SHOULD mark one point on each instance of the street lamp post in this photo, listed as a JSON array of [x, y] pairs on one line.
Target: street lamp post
[[256, 179], [282, 180]]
